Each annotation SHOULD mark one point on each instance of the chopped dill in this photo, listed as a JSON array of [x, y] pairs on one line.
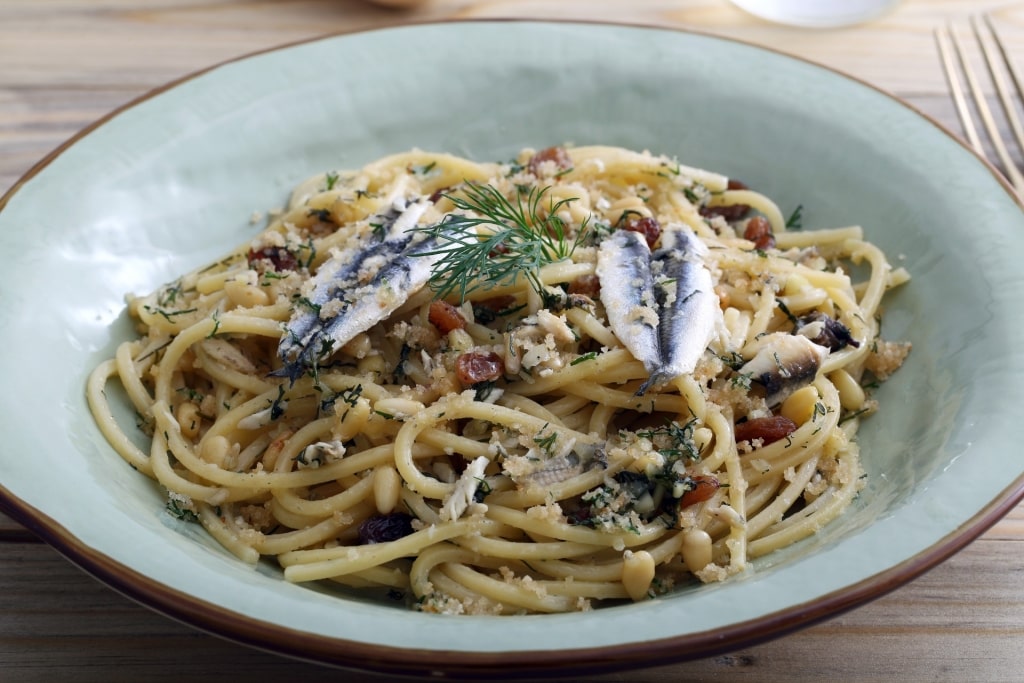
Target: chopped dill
[[547, 442], [498, 239], [178, 511], [742, 380], [796, 219]]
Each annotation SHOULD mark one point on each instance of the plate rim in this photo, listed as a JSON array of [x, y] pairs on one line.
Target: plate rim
[[339, 652], [349, 654]]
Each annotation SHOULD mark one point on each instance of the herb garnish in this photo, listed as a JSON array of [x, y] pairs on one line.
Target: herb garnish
[[584, 358], [679, 439], [516, 239], [178, 510], [547, 442], [796, 219], [169, 315]]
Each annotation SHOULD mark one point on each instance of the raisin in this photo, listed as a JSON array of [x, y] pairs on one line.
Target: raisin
[[580, 516], [768, 429], [473, 367], [699, 489], [556, 154], [445, 317], [759, 231], [587, 285], [279, 258], [385, 528], [730, 212], [650, 228]]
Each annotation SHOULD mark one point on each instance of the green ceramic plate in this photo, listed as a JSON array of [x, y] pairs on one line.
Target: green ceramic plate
[[171, 181]]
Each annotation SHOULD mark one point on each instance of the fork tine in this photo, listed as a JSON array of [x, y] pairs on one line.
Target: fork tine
[[942, 40], [1011, 171], [1004, 94]]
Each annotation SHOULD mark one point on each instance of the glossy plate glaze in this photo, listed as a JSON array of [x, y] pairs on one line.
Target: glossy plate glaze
[[171, 182]]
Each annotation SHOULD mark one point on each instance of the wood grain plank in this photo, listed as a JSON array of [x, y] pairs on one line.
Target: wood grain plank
[[35, 121], [116, 42], [56, 619]]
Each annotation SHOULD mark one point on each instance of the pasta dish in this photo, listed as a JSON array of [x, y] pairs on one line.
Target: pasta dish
[[581, 376]]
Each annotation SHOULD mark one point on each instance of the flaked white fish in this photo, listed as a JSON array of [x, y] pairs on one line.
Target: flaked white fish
[[785, 363], [581, 458]]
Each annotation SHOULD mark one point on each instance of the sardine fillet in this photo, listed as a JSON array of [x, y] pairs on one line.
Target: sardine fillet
[[627, 292]]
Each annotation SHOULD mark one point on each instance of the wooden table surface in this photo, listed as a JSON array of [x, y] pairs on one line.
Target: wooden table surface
[[65, 63]]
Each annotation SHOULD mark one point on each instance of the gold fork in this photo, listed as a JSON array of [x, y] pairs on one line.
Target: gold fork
[[1000, 68]]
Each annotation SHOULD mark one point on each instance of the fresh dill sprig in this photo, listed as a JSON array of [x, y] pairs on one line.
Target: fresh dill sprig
[[796, 219], [497, 239]]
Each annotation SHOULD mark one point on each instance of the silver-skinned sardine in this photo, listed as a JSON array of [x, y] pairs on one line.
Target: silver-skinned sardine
[[355, 289], [627, 292], [660, 305], [688, 306]]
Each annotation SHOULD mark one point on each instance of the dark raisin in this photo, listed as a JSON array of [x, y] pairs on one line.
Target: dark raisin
[[474, 367], [279, 258], [730, 212], [587, 285], [385, 528], [556, 154], [768, 429], [650, 228], [580, 516], [759, 231]]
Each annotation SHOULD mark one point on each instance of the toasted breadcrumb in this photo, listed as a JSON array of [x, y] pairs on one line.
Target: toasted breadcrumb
[[886, 357]]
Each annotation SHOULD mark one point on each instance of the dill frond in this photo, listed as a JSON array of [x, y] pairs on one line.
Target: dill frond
[[496, 239]]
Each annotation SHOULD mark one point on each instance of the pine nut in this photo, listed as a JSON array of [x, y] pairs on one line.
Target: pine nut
[[637, 573], [215, 450], [851, 394], [696, 549], [800, 405], [387, 489]]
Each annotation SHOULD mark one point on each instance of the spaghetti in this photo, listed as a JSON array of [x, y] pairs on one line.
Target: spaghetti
[[583, 375]]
